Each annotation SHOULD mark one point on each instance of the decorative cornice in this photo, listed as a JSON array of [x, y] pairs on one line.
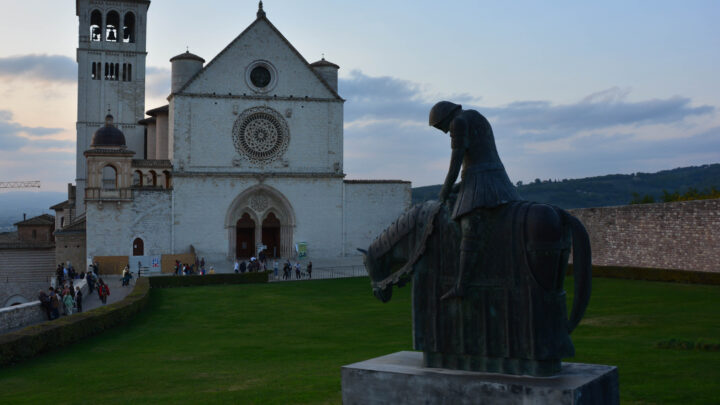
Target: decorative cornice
[[259, 97], [264, 175], [155, 163], [376, 182]]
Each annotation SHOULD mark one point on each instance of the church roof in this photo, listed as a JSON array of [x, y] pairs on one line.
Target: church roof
[[323, 63], [187, 56], [108, 136], [155, 111], [61, 206], [78, 226], [261, 16], [43, 219]]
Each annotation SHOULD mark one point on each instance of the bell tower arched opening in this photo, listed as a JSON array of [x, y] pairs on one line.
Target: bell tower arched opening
[[112, 26], [245, 229]]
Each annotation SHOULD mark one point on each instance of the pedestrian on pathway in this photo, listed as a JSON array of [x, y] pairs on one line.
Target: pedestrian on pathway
[[309, 269], [275, 269], [69, 303], [103, 291], [54, 304], [78, 299], [45, 303]]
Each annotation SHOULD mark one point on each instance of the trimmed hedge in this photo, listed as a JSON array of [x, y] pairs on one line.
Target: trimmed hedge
[[210, 279], [651, 274], [28, 342]]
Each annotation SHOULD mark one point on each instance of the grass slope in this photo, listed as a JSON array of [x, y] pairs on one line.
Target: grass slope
[[285, 343]]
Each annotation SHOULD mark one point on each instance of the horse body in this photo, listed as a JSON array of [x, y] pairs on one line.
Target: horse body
[[513, 318]]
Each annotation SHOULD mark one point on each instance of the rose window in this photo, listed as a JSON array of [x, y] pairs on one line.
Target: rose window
[[261, 134]]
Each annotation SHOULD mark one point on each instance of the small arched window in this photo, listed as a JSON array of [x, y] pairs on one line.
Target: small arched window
[[137, 178], [109, 178], [34, 234], [152, 178], [138, 247], [96, 26], [112, 24], [94, 74], [62, 222], [117, 71], [168, 179], [129, 28]]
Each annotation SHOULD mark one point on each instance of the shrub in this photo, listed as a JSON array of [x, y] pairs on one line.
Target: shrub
[[30, 341]]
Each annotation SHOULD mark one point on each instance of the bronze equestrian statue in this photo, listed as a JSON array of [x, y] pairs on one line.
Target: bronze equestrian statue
[[487, 268]]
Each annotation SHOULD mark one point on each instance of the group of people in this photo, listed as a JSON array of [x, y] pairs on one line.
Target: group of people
[[254, 265], [67, 298], [64, 300], [288, 268], [185, 269]]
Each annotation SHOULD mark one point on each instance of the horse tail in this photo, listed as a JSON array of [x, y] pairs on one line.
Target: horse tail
[[582, 269]]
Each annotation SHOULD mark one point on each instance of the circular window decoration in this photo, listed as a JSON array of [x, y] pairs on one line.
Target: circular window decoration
[[261, 76], [261, 134]]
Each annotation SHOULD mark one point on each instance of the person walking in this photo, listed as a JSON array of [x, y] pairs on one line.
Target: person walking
[[45, 303], [237, 266], [69, 303], [309, 269], [103, 291], [54, 304], [275, 269], [78, 299]]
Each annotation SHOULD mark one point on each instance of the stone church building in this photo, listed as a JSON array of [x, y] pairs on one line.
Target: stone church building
[[247, 154]]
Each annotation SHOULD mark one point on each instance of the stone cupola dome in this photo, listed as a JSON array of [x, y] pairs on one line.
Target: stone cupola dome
[[108, 136]]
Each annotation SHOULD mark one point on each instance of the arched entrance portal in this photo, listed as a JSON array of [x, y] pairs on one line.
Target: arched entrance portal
[[245, 230], [271, 235], [273, 223]]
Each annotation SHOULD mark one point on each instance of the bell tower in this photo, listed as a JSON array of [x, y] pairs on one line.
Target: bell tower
[[111, 57]]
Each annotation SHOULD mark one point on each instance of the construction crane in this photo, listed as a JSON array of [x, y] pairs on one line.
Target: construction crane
[[20, 184]]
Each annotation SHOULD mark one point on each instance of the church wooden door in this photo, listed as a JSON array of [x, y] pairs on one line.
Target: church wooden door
[[271, 235], [138, 247], [245, 237]]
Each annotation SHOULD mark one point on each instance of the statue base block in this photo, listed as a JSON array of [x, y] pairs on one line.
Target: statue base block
[[400, 378]]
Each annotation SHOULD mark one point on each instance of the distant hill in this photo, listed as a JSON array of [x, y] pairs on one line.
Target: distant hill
[[13, 204], [602, 191]]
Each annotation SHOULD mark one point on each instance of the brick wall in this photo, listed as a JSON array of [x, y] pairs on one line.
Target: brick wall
[[680, 235]]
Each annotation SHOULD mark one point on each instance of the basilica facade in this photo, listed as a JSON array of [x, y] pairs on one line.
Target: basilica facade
[[247, 154]]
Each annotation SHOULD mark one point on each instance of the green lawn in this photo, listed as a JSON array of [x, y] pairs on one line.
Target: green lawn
[[285, 343]]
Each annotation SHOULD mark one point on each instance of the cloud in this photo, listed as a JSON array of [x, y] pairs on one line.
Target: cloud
[[387, 136], [157, 82], [14, 136], [600, 110], [47, 68]]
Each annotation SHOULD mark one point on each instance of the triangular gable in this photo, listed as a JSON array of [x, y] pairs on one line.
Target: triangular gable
[[259, 20]]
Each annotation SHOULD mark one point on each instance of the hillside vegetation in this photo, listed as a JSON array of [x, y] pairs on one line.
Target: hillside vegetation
[[609, 190]]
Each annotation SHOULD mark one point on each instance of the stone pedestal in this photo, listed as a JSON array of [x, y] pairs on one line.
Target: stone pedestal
[[400, 378]]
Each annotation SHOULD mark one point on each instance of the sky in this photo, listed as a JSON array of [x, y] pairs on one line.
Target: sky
[[572, 89]]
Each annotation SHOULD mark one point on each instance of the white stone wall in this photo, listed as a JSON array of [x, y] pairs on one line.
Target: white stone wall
[[261, 42], [203, 135], [202, 205], [370, 207], [112, 226]]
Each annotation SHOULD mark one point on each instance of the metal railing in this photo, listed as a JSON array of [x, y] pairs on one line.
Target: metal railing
[[319, 273]]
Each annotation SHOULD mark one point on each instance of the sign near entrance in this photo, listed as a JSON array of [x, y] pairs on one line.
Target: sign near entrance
[[301, 248]]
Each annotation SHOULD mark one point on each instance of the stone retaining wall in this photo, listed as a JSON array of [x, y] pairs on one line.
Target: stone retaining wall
[[29, 313], [680, 235]]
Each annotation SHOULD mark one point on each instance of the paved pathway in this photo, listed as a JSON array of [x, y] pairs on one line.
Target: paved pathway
[[91, 299]]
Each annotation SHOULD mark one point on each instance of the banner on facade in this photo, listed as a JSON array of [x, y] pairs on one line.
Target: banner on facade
[[301, 248]]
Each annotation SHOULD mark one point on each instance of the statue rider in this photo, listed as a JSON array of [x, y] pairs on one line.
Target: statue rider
[[484, 185]]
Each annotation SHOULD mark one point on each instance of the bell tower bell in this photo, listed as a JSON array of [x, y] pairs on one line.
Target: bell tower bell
[[111, 57]]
